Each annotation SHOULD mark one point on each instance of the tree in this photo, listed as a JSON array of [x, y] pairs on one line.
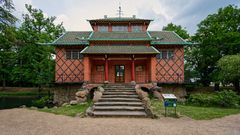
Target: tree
[[177, 29], [35, 62], [229, 70], [6, 16], [7, 40], [217, 35]]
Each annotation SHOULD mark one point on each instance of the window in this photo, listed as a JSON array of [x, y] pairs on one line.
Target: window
[[73, 54], [100, 68], [136, 28], [165, 54], [102, 28], [119, 28], [139, 68]]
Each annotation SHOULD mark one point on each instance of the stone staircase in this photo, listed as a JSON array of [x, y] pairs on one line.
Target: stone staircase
[[119, 100]]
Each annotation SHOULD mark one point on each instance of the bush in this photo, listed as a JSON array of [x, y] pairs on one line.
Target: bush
[[43, 101], [225, 98]]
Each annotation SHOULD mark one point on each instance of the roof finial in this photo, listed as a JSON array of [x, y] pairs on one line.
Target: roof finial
[[120, 12]]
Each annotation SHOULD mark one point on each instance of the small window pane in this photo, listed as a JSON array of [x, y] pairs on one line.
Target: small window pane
[[119, 28], [170, 54], [164, 54], [136, 28], [74, 55], [68, 54], [102, 28]]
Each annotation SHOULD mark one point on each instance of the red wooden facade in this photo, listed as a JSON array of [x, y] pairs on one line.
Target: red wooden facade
[[120, 67]]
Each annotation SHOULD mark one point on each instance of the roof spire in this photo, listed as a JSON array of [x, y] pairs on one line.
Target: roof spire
[[120, 12]]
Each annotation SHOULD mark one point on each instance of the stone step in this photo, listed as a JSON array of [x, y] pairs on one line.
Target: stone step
[[119, 93], [118, 108], [118, 88], [118, 104], [119, 84], [119, 99], [120, 96], [119, 113]]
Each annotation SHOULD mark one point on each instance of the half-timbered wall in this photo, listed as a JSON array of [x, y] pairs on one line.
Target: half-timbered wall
[[170, 70], [68, 70]]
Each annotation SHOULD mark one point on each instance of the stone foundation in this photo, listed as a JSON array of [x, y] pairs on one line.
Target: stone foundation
[[178, 90], [63, 95]]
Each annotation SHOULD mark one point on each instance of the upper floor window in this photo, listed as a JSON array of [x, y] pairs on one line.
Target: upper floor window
[[136, 28], [165, 54], [102, 28], [119, 28], [73, 54]]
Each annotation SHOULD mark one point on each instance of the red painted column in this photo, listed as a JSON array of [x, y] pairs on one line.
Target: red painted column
[[133, 70], [106, 68]]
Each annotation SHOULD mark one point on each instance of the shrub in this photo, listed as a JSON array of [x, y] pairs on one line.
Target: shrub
[[43, 101], [225, 98]]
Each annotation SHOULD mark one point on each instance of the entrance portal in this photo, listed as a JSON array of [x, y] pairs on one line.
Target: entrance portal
[[119, 73]]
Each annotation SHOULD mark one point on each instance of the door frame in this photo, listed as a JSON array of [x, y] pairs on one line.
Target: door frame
[[115, 75]]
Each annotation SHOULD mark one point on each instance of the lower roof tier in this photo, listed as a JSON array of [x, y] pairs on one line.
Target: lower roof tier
[[120, 50]]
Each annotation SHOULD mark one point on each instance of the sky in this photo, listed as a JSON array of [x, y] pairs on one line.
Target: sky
[[75, 13]]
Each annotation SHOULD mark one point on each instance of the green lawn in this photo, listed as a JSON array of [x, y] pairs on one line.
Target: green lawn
[[69, 110], [21, 93], [194, 112]]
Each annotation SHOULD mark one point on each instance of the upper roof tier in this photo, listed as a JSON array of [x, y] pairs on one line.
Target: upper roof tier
[[132, 19], [111, 22]]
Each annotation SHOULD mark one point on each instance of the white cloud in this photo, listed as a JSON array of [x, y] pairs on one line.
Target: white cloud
[[74, 14], [20, 7]]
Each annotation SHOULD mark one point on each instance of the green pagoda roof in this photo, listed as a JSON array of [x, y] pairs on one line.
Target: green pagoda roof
[[166, 37], [73, 38], [119, 36], [119, 19], [120, 50], [154, 37]]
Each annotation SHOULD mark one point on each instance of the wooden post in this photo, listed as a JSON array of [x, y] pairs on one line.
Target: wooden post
[[133, 69], [106, 68]]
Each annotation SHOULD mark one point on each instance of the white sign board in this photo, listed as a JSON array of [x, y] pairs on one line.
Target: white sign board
[[169, 96]]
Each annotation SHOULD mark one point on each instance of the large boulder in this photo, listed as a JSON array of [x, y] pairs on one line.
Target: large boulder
[[157, 95], [100, 88], [97, 96], [89, 111], [142, 94], [81, 99], [82, 93]]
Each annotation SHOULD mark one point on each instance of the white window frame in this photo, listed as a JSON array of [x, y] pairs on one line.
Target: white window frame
[[79, 55]]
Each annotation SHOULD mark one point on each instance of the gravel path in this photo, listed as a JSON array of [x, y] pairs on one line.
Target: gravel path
[[31, 122]]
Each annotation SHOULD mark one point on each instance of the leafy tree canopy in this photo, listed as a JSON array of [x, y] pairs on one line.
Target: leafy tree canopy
[[177, 29], [229, 69], [217, 35], [36, 65]]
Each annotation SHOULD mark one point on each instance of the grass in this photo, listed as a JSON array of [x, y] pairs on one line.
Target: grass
[[69, 110], [22, 93], [195, 112]]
